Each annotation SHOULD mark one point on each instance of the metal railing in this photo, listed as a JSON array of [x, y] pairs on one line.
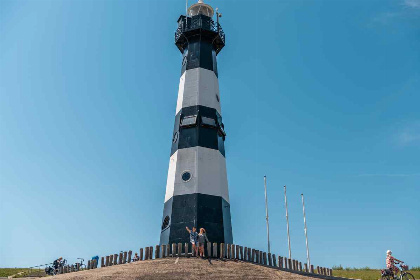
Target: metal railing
[[197, 22]]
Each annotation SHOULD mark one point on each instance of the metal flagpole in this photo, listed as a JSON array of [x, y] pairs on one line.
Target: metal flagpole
[[266, 214], [306, 233], [186, 14], [287, 219]]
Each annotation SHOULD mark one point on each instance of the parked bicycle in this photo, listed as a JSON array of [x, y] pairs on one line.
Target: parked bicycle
[[80, 264], [388, 274]]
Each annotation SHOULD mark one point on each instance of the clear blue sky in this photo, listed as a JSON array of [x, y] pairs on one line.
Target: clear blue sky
[[321, 96]]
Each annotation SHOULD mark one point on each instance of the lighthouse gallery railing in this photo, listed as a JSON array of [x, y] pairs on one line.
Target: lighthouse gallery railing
[[197, 22]]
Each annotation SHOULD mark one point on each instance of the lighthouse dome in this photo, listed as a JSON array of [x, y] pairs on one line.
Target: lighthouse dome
[[200, 8]]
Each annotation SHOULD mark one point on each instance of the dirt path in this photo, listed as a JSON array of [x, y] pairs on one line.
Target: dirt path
[[184, 268]]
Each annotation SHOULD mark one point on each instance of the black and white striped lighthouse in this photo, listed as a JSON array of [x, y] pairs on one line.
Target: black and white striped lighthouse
[[197, 189]]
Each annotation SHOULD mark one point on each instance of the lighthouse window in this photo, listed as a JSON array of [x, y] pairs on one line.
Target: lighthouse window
[[208, 121], [217, 98], [189, 121], [186, 176], [165, 222]]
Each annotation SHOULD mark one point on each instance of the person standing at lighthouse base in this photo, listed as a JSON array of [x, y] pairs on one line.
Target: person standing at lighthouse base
[[193, 239]]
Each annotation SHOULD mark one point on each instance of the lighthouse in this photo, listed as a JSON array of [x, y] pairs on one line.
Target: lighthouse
[[197, 188]]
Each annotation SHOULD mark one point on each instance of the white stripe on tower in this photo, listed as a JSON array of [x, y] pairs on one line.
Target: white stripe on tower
[[198, 86], [208, 173]]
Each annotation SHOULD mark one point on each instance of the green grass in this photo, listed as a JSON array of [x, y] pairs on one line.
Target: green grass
[[366, 273], [5, 272]]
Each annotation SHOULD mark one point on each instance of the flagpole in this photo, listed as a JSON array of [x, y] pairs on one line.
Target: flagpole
[[306, 233], [266, 214], [287, 219]]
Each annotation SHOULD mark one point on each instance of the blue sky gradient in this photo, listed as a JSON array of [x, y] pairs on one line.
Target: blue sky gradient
[[321, 96]]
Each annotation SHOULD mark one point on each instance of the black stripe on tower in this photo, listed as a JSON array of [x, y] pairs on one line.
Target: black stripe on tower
[[199, 210], [199, 39], [198, 126]]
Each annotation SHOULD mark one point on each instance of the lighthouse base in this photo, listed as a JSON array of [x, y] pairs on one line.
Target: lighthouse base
[[200, 210]]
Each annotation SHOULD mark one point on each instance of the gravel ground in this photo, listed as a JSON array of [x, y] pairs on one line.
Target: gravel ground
[[183, 268]]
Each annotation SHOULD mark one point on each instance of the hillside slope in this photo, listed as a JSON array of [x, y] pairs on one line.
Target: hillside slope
[[184, 268]]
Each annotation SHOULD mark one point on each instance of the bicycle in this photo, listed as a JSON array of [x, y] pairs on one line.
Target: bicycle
[[80, 265], [387, 274]]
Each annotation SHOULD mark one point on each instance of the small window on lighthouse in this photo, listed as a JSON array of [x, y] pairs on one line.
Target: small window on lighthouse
[[208, 122], [189, 121], [186, 176], [217, 98]]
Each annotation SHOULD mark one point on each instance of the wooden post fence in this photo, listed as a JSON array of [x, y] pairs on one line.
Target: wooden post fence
[[129, 256], [173, 250], [157, 251], [214, 250]]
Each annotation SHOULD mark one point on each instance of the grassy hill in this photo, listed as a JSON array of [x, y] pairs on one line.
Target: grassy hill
[[5, 272], [366, 273]]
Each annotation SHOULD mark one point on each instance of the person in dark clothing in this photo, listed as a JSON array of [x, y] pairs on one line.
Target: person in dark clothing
[[202, 239]]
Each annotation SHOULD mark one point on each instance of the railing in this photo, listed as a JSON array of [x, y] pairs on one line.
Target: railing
[[197, 22]]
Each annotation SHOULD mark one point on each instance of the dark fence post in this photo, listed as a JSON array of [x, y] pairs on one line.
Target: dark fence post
[[270, 259], [280, 261], [214, 250], [106, 261], [151, 252], [241, 252], [173, 250], [120, 258], [237, 252], [111, 260], [186, 249], [253, 256], [286, 263], [125, 257], [163, 251], [305, 267], [300, 266], [157, 251], [317, 270], [146, 253], [129, 256], [265, 258], [209, 249], [312, 268], [290, 263], [179, 249], [102, 262], [168, 250], [222, 250], [88, 266], [228, 251], [261, 257], [141, 254]]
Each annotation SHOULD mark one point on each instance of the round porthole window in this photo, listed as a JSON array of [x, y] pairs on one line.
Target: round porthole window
[[186, 176]]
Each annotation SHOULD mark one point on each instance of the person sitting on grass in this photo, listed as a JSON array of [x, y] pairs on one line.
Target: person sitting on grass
[[193, 239], [391, 262]]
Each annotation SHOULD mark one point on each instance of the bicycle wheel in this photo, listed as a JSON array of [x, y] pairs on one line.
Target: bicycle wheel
[[408, 276]]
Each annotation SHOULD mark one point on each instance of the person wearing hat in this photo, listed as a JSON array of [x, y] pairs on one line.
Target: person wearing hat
[[391, 261]]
